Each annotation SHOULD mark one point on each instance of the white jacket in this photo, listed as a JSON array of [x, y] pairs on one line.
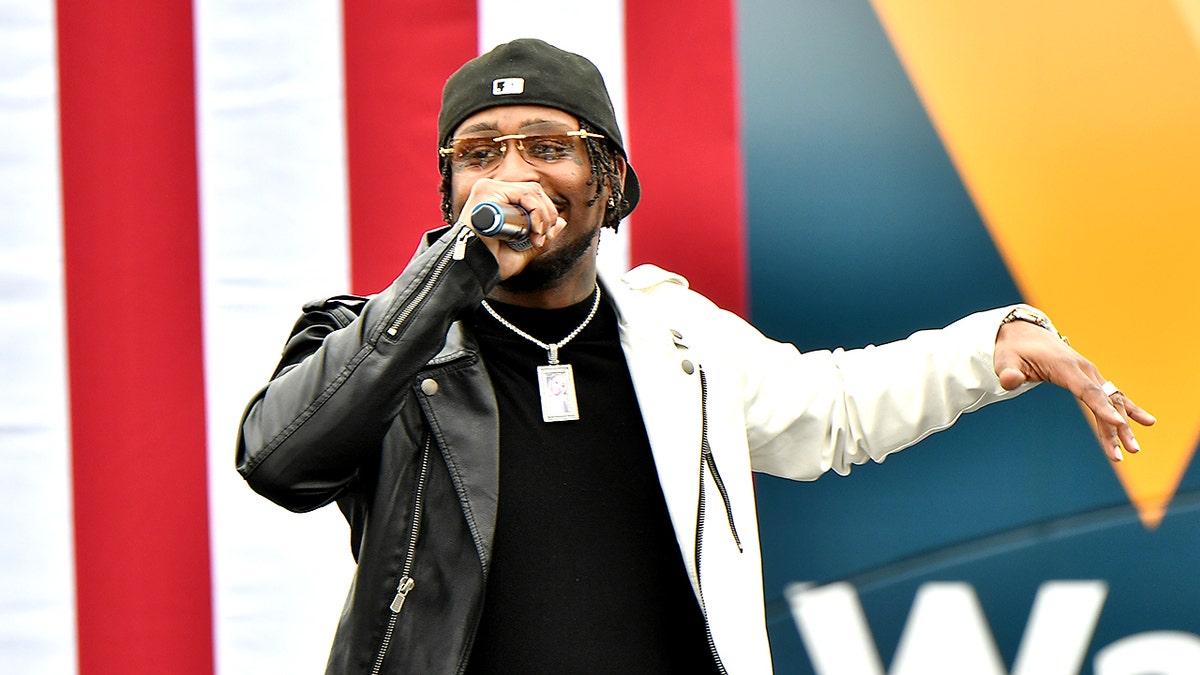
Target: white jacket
[[772, 409]]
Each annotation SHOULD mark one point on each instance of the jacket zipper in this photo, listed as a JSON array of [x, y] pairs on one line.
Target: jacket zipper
[[456, 252], [406, 583], [711, 464]]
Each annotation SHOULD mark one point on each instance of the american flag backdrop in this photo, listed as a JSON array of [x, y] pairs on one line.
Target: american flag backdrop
[[175, 180]]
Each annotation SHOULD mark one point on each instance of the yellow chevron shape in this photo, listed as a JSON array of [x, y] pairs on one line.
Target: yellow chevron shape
[[1075, 126]]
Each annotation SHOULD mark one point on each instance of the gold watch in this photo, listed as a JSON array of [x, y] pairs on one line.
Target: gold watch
[[1033, 316]]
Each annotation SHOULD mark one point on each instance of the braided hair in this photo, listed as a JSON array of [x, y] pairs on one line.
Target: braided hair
[[603, 159]]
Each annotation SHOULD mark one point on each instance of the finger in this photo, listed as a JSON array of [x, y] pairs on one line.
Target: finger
[[543, 214], [1101, 405], [1125, 434], [1129, 410], [559, 225], [1124, 431], [1011, 378], [1138, 415], [1110, 441], [1110, 435]]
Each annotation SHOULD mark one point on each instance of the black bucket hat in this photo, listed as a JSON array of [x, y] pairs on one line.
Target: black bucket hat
[[533, 72]]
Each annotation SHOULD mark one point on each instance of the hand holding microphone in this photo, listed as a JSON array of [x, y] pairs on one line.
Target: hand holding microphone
[[519, 214], [508, 222]]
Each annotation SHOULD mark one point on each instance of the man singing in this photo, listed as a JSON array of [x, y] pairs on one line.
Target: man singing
[[547, 470]]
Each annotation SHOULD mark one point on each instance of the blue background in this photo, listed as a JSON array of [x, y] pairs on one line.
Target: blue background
[[860, 231]]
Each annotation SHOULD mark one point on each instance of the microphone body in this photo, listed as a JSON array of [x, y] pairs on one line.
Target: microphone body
[[508, 222]]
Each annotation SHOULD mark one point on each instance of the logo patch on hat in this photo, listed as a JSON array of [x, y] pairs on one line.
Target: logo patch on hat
[[508, 85]]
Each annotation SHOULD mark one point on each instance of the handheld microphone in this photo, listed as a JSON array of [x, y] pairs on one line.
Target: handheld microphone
[[509, 222]]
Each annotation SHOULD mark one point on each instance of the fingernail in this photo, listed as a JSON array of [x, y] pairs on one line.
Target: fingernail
[[1117, 456], [1133, 445]]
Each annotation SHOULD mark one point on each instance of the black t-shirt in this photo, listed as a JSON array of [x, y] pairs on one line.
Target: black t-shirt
[[586, 574]]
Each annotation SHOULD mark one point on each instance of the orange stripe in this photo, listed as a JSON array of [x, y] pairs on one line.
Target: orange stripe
[[1073, 126]]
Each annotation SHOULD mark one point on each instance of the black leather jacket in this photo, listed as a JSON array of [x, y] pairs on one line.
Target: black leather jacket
[[384, 406]]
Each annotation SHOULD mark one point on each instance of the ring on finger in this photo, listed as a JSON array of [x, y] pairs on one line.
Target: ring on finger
[[1109, 388]]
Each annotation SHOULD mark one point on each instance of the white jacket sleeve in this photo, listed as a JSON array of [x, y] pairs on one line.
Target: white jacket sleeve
[[807, 413], [812, 412]]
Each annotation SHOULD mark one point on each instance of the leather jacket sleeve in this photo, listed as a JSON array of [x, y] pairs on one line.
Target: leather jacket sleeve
[[304, 436]]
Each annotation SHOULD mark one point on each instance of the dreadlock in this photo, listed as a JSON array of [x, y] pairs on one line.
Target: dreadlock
[[603, 159], [605, 174]]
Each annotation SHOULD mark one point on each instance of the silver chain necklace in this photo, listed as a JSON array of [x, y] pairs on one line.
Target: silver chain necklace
[[556, 381], [551, 349]]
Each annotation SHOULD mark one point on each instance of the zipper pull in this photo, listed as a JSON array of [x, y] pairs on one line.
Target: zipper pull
[[402, 589], [460, 242]]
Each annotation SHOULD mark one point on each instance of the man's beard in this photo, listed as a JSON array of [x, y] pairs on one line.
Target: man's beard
[[546, 270]]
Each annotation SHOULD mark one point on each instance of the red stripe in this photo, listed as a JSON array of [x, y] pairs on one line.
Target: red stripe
[[682, 90], [398, 56], [132, 254]]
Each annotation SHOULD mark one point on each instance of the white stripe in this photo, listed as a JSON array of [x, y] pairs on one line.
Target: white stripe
[[592, 28], [274, 223], [37, 589]]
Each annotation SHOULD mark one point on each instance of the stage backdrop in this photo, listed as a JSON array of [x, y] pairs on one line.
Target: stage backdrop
[[176, 179]]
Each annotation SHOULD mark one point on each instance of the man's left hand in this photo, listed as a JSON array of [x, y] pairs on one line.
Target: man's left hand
[[1026, 352]]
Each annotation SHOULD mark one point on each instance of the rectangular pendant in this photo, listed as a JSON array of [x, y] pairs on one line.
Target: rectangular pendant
[[557, 387]]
